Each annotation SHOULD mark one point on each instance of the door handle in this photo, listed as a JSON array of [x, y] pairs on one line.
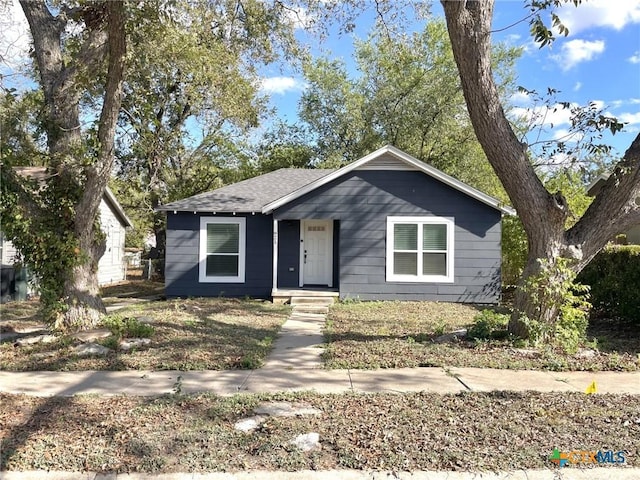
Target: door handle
[[305, 256]]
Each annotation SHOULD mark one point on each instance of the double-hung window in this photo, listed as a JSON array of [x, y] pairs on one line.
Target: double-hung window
[[420, 249], [222, 249]]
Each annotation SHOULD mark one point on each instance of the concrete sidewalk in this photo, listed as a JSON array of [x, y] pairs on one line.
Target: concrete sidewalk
[[271, 380]]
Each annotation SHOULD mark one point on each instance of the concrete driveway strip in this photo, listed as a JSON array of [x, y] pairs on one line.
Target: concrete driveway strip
[[487, 379], [405, 380], [46, 384], [299, 343], [224, 382]]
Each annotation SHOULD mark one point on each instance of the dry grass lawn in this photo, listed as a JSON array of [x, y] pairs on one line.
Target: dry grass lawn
[[417, 431], [401, 334], [189, 334]]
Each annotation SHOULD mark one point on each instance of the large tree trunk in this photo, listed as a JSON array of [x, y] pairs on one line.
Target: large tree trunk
[[543, 214], [78, 175]]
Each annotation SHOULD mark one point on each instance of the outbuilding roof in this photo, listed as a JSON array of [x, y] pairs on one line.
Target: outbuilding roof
[[39, 174], [266, 193]]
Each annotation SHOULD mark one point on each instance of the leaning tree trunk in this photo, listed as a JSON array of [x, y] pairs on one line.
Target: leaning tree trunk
[[78, 175], [542, 213], [81, 290]]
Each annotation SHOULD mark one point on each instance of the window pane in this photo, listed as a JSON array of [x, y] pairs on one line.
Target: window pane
[[223, 237], [405, 263], [222, 265], [405, 237], [434, 237], [434, 263]]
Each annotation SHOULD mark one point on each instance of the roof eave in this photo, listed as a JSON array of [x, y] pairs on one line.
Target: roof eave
[[168, 208]]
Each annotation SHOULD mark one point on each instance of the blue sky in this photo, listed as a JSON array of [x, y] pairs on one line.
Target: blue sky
[[599, 61]]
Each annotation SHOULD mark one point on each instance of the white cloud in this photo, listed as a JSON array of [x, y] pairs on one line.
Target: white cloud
[[635, 58], [615, 14], [624, 103], [560, 134], [520, 98], [553, 116], [577, 86], [281, 85], [15, 39], [577, 51], [299, 18], [630, 118]]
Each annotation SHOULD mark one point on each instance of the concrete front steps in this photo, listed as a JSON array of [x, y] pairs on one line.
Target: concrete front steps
[[304, 296], [311, 305]]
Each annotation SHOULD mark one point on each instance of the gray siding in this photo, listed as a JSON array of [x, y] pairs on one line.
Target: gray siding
[[362, 201], [181, 270]]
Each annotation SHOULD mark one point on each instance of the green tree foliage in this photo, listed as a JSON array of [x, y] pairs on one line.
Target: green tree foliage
[[571, 183], [20, 128], [190, 96], [614, 276], [188, 61], [284, 146], [407, 93]]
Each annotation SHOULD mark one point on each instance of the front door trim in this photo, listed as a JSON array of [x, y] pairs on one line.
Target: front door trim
[[329, 249]]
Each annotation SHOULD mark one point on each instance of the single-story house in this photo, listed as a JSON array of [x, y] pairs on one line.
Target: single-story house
[[384, 227], [114, 222], [633, 234]]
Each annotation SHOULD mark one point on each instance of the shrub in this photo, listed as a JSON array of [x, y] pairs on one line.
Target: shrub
[[127, 327], [614, 276], [488, 324], [514, 250], [555, 288]]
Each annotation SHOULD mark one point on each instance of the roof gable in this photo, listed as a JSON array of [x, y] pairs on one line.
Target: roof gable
[[390, 158]]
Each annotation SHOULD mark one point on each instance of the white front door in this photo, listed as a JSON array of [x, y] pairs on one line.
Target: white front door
[[316, 253]]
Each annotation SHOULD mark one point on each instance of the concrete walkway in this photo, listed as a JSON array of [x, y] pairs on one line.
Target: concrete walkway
[[296, 365]]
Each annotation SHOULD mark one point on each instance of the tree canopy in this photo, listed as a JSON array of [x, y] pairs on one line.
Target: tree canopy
[[406, 93]]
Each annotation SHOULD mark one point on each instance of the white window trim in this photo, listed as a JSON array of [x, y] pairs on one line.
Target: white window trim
[[240, 278], [449, 277]]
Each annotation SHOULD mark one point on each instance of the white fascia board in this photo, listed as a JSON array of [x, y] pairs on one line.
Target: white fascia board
[[402, 156], [603, 177], [111, 198]]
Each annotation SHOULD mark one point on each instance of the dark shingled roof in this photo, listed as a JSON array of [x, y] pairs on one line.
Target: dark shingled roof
[[249, 195]]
